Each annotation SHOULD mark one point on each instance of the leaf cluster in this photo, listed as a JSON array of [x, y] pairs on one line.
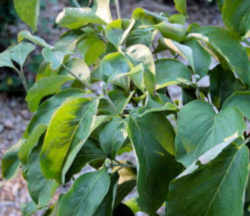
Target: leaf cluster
[[106, 88]]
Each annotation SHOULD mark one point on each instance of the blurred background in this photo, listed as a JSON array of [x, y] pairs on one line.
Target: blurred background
[[14, 115]]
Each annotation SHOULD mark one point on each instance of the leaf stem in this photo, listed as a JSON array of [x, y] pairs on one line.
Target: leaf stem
[[117, 4], [76, 3], [87, 85], [22, 77], [118, 163]]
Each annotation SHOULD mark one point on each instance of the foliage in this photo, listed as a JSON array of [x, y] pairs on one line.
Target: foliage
[[104, 88]]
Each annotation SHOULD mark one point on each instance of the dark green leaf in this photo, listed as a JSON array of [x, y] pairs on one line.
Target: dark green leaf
[[119, 99], [201, 58], [152, 136], [112, 67], [233, 12], [40, 189], [207, 127], [226, 45], [123, 190], [86, 195], [107, 205], [123, 210], [113, 136], [30, 143], [240, 100], [171, 72], [206, 191], [222, 85], [89, 152], [10, 161]]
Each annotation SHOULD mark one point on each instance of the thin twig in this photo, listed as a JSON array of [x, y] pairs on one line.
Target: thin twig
[[22, 77], [76, 3], [117, 4]]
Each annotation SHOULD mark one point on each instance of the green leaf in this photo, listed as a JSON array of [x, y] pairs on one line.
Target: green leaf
[[146, 17], [123, 190], [197, 57], [233, 12], [47, 109], [91, 48], [54, 57], [226, 46], [10, 161], [240, 100], [5, 59], [86, 195], [119, 99], [29, 208], [107, 205], [181, 6], [20, 52], [201, 58], [222, 85], [40, 189], [141, 55], [208, 129], [113, 136], [69, 40], [206, 191], [28, 11], [68, 131], [78, 67], [173, 31], [90, 152], [74, 18], [45, 70], [30, 143], [141, 34], [114, 32], [45, 87], [112, 68], [35, 39], [171, 72], [152, 137]]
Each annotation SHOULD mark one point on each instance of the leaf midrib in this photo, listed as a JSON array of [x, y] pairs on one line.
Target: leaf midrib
[[220, 184]]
